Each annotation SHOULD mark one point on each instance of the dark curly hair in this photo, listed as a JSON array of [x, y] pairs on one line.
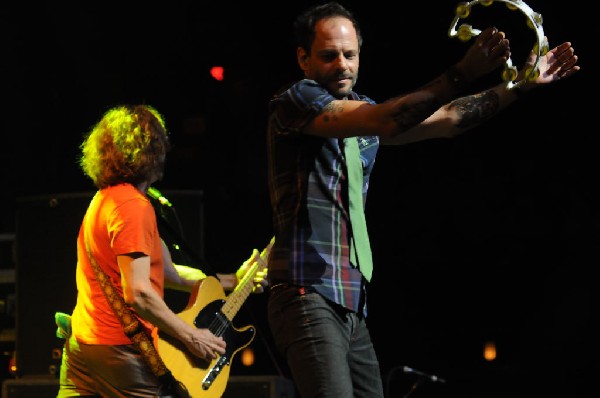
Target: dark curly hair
[[127, 145]]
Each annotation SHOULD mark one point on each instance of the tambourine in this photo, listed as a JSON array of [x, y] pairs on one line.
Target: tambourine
[[534, 21]]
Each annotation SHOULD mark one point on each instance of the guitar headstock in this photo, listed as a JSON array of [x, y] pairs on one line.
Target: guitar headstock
[[264, 255]]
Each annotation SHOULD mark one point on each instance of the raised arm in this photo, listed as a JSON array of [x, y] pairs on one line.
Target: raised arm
[[470, 111], [434, 111], [399, 114]]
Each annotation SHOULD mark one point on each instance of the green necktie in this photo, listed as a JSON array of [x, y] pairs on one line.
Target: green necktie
[[360, 247]]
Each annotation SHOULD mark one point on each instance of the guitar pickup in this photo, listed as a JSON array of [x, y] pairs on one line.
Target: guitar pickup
[[214, 372]]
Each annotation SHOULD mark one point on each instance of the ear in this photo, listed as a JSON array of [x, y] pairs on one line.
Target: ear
[[302, 57]]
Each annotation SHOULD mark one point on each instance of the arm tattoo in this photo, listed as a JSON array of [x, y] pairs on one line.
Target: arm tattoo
[[407, 116], [475, 109], [330, 112]]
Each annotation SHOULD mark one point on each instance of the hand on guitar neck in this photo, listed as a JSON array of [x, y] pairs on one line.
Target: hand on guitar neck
[[259, 262], [209, 308]]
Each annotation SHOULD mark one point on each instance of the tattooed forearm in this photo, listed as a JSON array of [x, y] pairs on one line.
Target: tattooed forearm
[[407, 116], [330, 112], [475, 109]]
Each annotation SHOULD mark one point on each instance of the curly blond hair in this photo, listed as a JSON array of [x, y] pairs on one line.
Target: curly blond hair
[[127, 145]]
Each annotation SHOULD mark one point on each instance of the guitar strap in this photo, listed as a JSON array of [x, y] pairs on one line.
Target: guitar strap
[[135, 331]]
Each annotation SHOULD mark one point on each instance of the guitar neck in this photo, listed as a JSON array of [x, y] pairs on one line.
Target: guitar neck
[[236, 299]]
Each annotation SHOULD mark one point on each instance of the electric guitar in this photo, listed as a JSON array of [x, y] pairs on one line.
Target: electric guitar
[[209, 308]]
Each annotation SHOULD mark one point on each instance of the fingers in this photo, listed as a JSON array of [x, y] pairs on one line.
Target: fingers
[[219, 345], [564, 54], [562, 48], [499, 47], [255, 256], [216, 348], [494, 46], [569, 69], [257, 289], [485, 35], [204, 344], [260, 281], [563, 60]]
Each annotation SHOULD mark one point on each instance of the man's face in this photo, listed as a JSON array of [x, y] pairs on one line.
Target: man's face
[[334, 58]]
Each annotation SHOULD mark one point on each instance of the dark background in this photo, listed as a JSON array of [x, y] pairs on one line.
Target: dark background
[[491, 236]]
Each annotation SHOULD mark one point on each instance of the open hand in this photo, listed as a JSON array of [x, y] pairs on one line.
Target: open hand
[[556, 64]]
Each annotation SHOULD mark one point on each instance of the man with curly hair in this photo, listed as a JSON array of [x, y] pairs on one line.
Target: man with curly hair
[[124, 154]]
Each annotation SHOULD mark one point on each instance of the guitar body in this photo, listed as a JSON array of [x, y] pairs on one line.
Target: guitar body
[[201, 378]]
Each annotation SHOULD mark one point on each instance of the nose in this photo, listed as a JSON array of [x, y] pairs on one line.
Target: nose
[[342, 62]]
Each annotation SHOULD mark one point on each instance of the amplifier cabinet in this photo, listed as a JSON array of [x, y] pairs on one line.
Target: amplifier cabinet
[[30, 387], [259, 387]]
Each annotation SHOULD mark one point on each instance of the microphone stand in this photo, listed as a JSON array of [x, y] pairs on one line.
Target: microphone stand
[[421, 377], [181, 245], [414, 386]]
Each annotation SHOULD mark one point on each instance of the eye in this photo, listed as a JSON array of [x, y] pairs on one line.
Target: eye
[[351, 55], [328, 57]]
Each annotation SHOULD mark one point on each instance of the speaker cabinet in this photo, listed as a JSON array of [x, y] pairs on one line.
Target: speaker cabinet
[[30, 387], [259, 387], [46, 257], [238, 386]]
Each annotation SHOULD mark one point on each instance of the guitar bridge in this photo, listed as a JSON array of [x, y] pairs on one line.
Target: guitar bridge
[[214, 372]]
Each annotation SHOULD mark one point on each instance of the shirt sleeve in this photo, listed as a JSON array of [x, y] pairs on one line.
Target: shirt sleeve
[[132, 227], [298, 105]]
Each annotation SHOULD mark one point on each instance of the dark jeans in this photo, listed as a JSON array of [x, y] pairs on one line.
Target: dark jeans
[[327, 347]]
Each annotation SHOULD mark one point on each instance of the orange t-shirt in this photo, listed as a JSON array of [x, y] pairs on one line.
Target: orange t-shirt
[[119, 220]]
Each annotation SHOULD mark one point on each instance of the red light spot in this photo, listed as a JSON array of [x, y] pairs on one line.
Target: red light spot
[[217, 72]]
